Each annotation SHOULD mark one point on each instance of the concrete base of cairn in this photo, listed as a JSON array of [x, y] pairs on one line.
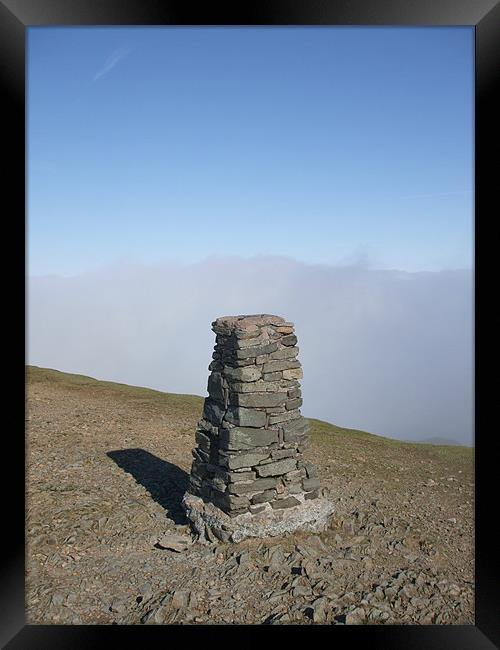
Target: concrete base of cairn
[[212, 524], [249, 476]]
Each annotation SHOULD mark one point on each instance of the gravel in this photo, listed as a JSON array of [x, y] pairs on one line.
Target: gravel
[[109, 543]]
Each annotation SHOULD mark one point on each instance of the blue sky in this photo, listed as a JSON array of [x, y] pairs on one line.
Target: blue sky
[[177, 175], [327, 145]]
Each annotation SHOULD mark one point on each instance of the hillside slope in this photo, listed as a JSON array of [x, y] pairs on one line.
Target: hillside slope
[[107, 465]]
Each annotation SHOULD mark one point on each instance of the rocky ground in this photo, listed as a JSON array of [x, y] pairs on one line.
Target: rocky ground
[[108, 543]]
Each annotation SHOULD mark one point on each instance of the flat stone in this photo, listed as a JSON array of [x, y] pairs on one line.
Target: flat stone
[[284, 329], [242, 343], [299, 425], [251, 487], [273, 410], [226, 501], [239, 363], [248, 320], [272, 376], [294, 392], [284, 353], [116, 605], [280, 488], [254, 509], [245, 417], [356, 617], [294, 373], [247, 332], [263, 497], [262, 319], [280, 365], [288, 502], [289, 339], [253, 400], [319, 609], [215, 386], [207, 427], [237, 502], [247, 373], [295, 475], [244, 321], [234, 477], [256, 350], [200, 455], [239, 438], [292, 404], [283, 417], [279, 454], [146, 590], [310, 484], [277, 468], [295, 429], [222, 329], [289, 383], [195, 482], [174, 541], [311, 470], [203, 440], [267, 460], [200, 469], [301, 590], [246, 460], [213, 411], [217, 483], [259, 386]]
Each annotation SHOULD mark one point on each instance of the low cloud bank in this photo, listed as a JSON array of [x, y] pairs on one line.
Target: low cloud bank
[[389, 352]]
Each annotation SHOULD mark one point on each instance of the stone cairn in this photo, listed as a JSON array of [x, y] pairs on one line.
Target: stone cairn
[[249, 477]]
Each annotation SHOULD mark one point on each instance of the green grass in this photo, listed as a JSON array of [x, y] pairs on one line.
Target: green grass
[[347, 441], [323, 431], [35, 374]]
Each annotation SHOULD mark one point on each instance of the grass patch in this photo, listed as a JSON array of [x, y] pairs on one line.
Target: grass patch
[[321, 432], [326, 432], [35, 374]]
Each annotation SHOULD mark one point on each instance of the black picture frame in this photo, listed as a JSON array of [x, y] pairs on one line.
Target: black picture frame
[[484, 16]]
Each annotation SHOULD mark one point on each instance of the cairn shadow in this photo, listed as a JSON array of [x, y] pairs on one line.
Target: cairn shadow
[[165, 482]]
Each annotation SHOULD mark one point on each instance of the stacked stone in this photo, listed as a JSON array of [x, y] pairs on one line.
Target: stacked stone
[[252, 436]]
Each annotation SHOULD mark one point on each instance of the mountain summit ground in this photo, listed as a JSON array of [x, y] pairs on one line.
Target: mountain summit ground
[[107, 540]]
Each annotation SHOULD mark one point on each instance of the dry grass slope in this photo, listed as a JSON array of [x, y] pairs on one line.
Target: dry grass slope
[[107, 465]]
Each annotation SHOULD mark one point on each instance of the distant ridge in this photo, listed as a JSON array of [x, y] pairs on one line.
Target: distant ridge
[[440, 441]]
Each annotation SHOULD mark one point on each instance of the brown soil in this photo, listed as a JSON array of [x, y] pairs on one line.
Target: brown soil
[[107, 467]]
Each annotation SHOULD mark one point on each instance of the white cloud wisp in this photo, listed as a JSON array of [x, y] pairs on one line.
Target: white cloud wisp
[[110, 63]]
